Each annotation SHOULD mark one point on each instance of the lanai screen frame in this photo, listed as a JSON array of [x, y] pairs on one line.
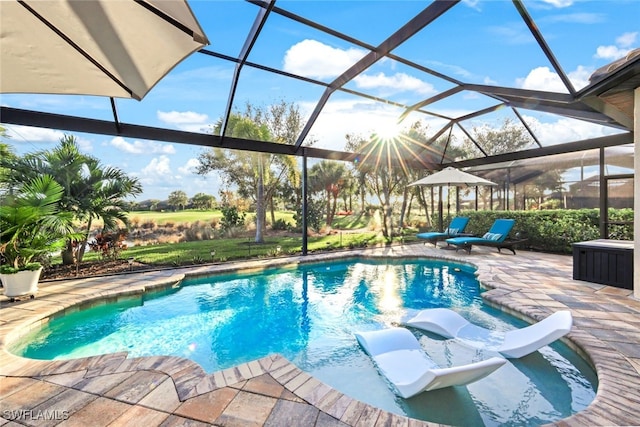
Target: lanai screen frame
[[585, 104]]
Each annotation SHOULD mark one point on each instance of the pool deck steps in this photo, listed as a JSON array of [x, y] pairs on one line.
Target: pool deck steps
[[114, 390]]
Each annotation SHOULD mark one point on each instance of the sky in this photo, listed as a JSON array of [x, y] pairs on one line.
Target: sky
[[482, 42]]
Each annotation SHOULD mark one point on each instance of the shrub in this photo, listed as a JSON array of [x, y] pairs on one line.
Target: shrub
[[135, 222], [149, 224], [554, 230], [199, 231], [9, 269], [231, 218], [315, 209], [109, 244], [280, 224]]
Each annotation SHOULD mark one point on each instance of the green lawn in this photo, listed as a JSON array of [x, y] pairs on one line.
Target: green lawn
[[191, 215], [161, 218], [227, 249], [197, 252], [188, 216], [350, 222]]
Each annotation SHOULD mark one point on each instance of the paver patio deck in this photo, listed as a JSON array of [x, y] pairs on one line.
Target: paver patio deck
[[113, 390]]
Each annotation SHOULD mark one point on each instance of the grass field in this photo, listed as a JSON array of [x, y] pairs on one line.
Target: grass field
[[190, 215], [226, 249], [348, 232]]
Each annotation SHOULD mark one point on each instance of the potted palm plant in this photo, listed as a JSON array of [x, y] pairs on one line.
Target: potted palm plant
[[31, 227]]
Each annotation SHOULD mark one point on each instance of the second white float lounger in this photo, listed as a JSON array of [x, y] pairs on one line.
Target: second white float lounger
[[512, 344]]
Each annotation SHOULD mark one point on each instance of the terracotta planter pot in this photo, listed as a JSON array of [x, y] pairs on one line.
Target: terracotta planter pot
[[21, 283]]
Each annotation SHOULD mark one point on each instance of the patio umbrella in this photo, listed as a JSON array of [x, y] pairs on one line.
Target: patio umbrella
[[450, 177], [98, 47]]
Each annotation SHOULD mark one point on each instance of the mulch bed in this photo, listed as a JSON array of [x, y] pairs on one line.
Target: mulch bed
[[91, 268]]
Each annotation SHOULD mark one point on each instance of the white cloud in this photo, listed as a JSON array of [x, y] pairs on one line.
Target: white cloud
[[627, 39], [141, 147], [543, 78], [559, 3], [575, 18], [452, 69], [176, 117], [399, 82], [158, 170], [563, 130], [622, 47], [354, 116], [186, 120], [190, 167], [159, 180], [610, 52], [580, 76], [359, 117], [512, 33], [311, 58], [489, 81], [158, 166], [26, 134], [473, 4]]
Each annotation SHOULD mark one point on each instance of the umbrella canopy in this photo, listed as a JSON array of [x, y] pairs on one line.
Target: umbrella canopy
[[99, 47], [450, 176]]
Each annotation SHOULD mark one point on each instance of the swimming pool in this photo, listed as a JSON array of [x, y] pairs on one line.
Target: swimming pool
[[308, 313]]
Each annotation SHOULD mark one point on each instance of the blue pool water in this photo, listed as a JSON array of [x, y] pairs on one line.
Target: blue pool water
[[309, 313]]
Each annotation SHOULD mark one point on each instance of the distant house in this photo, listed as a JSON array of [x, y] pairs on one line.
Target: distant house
[[586, 194], [153, 205]]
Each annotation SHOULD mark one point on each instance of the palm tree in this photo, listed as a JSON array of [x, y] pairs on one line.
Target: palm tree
[[329, 177], [105, 199], [32, 224], [250, 171], [91, 191]]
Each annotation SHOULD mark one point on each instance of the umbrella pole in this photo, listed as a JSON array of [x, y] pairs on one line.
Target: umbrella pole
[[440, 212]]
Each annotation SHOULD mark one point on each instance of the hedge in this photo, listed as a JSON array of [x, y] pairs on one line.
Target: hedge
[[554, 230]]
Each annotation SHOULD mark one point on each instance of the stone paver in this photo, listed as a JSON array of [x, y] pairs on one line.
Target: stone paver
[[113, 390]]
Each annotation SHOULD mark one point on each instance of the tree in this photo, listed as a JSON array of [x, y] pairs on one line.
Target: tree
[[244, 169], [91, 190], [511, 137], [384, 168], [32, 224], [418, 133], [7, 154], [354, 144], [256, 175], [203, 201], [178, 199], [328, 176]]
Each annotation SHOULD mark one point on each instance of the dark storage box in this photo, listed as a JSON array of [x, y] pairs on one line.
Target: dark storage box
[[608, 262]]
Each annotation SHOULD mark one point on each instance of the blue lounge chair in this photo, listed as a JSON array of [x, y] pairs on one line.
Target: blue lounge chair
[[456, 228], [496, 236]]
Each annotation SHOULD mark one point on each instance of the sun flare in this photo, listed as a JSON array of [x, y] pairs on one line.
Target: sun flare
[[387, 130]]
